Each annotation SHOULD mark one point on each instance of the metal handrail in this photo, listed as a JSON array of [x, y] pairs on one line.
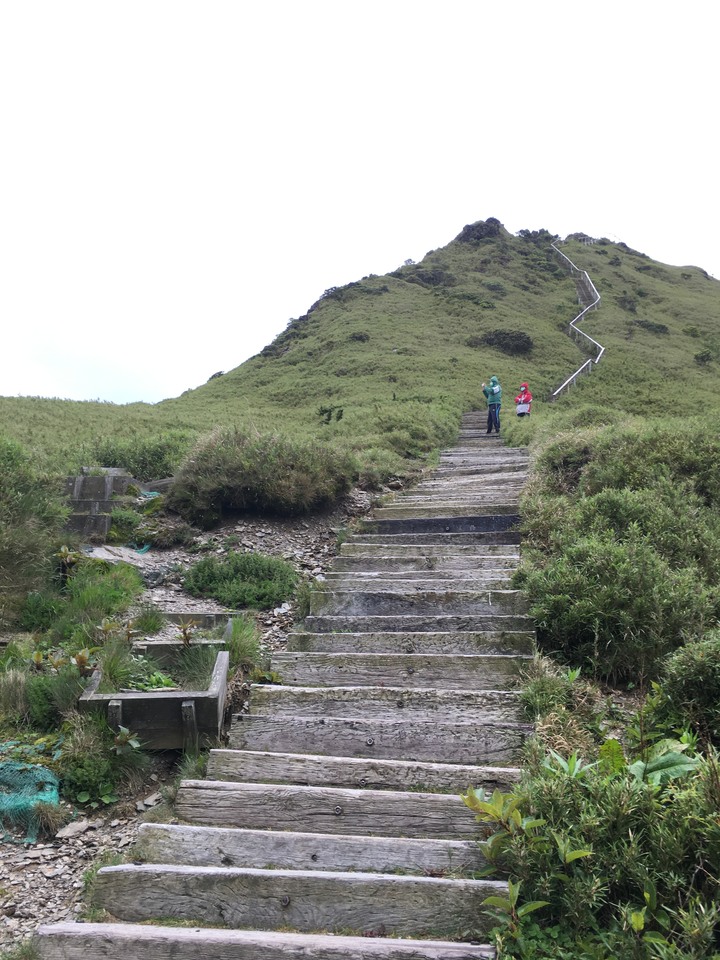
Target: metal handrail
[[587, 365]]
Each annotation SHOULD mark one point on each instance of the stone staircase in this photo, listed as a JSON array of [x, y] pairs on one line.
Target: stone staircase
[[92, 500], [331, 827]]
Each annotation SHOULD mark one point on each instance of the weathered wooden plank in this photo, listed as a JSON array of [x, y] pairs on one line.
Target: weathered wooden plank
[[350, 548], [286, 850], [476, 600], [475, 672], [108, 941], [355, 773], [476, 743], [386, 702], [359, 578], [383, 813], [302, 900], [489, 507], [410, 586], [431, 623], [455, 642]]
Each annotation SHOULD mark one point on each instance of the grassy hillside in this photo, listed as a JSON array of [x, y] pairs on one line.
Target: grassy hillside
[[387, 364]]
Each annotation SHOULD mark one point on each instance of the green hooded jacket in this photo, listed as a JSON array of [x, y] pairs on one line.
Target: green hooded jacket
[[493, 391]]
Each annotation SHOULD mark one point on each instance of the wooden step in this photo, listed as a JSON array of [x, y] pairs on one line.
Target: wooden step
[[415, 549], [302, 900], [108, 941], [416, 602], [428, 643], [387, 703], [441, 537], [289, 850], [382, 813], [253, 766], [496, 744], [475, 671], [421, 582], [379, 562], [406, 623]]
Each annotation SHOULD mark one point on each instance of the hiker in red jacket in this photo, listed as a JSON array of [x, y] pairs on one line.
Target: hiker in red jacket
[[524, 401]]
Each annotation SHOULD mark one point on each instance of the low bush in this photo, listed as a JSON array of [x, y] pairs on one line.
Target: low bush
[[611, 863], [514, 342], [144, 457], [242, 580], [244, 471], [691, 682], [616, 608]]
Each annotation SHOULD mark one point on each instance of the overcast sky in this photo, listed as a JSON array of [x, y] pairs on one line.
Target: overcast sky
[[179, 179]]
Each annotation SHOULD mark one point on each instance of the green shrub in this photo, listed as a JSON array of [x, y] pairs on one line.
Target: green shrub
[[234, 470], [242, 580], [617, 608], [691, 681], [593, 848], [704, 357]]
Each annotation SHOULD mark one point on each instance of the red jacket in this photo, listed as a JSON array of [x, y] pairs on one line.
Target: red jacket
[[524, 396]]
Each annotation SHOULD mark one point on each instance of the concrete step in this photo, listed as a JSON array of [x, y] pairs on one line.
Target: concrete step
[[333, 810], [356, 773], [289, 850], [369, 602], [406, 670], [386, 703], [449, 643], [90, 526], [487, 744], [301, 900], [420, 623], [100, 941]]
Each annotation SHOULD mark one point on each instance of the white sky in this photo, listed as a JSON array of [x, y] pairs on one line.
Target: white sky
[[178, 179]]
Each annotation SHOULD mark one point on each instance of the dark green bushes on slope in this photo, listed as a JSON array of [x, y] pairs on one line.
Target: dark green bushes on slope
[[245, 471], [623, 558], [691, 683]]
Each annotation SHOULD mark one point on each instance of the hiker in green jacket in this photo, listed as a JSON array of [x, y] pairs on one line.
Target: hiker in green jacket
[[493, 395]]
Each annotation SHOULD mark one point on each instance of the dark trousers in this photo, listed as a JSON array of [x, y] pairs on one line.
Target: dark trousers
[[493, 418]]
